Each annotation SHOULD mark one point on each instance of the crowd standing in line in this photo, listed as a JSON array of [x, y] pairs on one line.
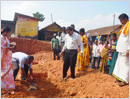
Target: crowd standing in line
[[108, 54]]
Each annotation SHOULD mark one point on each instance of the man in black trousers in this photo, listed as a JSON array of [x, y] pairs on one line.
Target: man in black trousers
[[72, 42]]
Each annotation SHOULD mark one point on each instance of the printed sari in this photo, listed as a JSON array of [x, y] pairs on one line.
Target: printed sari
[[7, 79], [82, 62]]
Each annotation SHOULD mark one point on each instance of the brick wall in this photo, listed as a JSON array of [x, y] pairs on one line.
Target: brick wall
[[30, 46]]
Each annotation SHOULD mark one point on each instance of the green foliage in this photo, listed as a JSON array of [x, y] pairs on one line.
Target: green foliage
[[40, 16]]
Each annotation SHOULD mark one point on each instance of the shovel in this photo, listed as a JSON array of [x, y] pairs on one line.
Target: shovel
[[33, 86]]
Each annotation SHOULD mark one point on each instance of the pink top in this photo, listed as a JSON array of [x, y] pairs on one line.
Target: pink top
[[100, 47]]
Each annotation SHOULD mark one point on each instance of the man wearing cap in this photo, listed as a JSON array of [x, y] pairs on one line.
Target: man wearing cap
[[72, 43], [55, 46]]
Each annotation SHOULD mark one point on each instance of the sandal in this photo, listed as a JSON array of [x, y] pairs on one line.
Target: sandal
[[121, 84], [8, 92], [63, 79], [117, 81]]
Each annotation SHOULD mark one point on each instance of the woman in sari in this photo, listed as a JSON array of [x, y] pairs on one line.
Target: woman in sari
[[7, 79], [104, 56], [83, 61], [112, 54]]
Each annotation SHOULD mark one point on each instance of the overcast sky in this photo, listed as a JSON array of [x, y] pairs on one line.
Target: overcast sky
[[87, 14]]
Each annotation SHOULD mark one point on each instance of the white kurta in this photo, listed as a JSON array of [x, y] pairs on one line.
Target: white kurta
[[121, 70]]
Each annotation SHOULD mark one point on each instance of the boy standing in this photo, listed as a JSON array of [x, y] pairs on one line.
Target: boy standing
[[95, 53], [100, 48]]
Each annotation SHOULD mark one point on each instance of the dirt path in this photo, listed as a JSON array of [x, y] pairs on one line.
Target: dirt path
[[88, 84]]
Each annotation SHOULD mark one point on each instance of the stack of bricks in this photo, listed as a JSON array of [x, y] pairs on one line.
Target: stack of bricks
[[30, 46]]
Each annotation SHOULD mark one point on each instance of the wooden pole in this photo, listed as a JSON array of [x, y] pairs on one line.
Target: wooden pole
[[114, 23], [51, 18], [52, 21]]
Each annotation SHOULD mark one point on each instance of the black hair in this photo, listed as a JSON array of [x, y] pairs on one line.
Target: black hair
[[82, 30], [73, 25], [30, 58], [114, 35], [64, 27], [69, 28], [5, 29], [101, 39], [107, 42], [123, 16]]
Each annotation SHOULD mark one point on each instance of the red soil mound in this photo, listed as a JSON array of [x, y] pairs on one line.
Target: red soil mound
[[30, 46], [88, 84]]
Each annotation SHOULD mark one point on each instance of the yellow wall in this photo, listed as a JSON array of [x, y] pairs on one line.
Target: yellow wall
[[54, 29], [16, 29], [28, 28]]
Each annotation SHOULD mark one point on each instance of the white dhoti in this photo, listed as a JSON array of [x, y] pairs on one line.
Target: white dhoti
[[121, 70]]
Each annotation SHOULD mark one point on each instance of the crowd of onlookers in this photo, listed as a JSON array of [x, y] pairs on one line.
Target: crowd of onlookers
[[100, 54], [100, 50]]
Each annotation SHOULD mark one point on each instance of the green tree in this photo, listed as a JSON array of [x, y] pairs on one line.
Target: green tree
[[40, 16]]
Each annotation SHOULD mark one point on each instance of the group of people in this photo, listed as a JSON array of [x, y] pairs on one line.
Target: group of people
[[77, 50], [9, 59], [112, 56]]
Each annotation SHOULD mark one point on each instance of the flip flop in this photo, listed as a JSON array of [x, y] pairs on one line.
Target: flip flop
[[8, 93], [121, 84], [63, 79], [117, 81]]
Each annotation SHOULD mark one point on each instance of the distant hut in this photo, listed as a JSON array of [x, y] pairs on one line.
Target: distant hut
[[22, 26], [105, 31], [26, 26], [7, 23], [47, 32]]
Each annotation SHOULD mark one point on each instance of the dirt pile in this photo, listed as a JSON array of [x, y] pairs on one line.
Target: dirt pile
[[88, 84], [30, 46]]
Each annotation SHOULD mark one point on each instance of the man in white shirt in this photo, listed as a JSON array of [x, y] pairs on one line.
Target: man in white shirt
[[95, 53], [72, 42], [25, 62], [59, 39], [63, 40]]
